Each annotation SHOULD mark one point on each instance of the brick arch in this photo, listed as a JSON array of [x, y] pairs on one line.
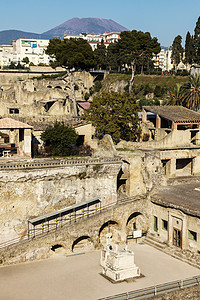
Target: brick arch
[[81, 238]]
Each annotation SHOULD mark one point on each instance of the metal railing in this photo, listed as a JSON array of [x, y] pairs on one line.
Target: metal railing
[[156, 290], [58, 225]]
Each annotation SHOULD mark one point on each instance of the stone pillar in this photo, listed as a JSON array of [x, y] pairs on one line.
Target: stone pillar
[[174, 125], [196, 164], [170, 229], [27, 142], [158, 121], [144, 115], [172, 167]]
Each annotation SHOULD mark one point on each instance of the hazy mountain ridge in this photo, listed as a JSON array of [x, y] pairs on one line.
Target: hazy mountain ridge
[[86, 25], [72, 26]]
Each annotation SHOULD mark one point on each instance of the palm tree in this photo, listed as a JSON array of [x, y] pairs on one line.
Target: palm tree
[[176, 96], [192, 92]]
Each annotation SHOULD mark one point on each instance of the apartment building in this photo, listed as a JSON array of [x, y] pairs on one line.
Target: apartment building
[[34, 49], [163, 60], [95, 39]]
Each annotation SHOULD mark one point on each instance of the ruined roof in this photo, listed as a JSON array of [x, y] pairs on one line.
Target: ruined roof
[[84, 104], [175, 113], [9, 123], [42, 125], [184, 197]]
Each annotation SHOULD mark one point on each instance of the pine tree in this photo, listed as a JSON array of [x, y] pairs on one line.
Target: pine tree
[[177, 52], [197, 42], [189, 49]]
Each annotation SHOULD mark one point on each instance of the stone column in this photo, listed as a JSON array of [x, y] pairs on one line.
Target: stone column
[[144, 115], [174, 125], [172, 167], [158, 121], [27, 142], [170, 229]]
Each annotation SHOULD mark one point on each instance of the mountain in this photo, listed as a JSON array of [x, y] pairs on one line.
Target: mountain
[[72, 26], [86, 25], [7, 36]]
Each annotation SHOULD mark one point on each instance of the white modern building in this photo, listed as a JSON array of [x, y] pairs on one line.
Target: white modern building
[[95, 39], [33, 49], [163, 60]]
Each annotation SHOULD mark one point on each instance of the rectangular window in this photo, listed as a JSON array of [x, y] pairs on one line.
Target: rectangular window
[[192, 235], [164, 225], [155, 223]]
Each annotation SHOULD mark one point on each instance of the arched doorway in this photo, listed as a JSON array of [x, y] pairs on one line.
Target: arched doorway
[[83, 243], [136, 221], [112, 227]]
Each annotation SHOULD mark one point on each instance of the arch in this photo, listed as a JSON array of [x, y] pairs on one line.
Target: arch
[[132, 216], [80, 239], [58, 87], [107, 224], [55, 247]]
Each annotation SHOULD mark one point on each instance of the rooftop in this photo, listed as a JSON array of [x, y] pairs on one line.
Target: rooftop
[[175, 113], [184, 197], [8, 123]]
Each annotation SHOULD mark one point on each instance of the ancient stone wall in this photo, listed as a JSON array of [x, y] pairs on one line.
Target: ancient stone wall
[[26, 193], [92, 227]]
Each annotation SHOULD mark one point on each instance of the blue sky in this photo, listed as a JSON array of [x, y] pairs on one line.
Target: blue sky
[[164, 19]]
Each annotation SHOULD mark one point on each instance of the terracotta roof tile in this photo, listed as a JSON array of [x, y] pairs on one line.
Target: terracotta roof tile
[[8, 123]]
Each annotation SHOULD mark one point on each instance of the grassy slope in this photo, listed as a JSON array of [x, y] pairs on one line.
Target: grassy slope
[[164, 81]]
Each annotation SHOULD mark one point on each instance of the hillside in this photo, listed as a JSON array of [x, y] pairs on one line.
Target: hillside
[[117, 82]]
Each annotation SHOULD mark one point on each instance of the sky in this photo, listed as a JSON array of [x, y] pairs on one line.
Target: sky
[[164, 19]]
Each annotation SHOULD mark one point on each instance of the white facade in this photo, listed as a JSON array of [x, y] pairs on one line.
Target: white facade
[[95, 39], [34, 49], [163, 60]]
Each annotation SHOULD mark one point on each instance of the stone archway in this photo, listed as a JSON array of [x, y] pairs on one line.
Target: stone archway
[[83, 243], [136, 221], [111, 226]]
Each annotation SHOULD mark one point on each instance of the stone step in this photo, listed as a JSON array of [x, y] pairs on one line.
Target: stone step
[[154, 243]]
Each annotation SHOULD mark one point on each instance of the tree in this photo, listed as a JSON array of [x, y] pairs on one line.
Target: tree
[[115, 114], [192, 92], [71, 53], [25, 60], [100, 55], [60, 138], [176, 96], [137, 47], [197, 42], [177, 51], [189, 49]]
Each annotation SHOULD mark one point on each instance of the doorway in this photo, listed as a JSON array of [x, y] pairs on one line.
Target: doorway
[[177, 237]]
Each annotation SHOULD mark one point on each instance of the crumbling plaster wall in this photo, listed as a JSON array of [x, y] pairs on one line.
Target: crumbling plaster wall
[[28, 193], [143, 171]]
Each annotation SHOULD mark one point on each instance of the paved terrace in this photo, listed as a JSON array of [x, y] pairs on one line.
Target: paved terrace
[[77, 277]]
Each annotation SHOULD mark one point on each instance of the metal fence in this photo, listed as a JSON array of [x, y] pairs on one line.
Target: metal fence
[[156, 290], [58, 225]]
